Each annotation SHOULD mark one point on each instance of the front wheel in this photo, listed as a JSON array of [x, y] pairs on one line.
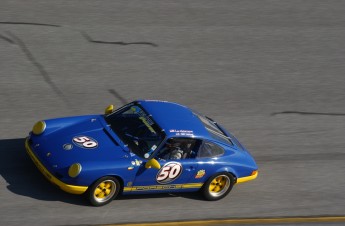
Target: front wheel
[[103, 191], [218, 186]]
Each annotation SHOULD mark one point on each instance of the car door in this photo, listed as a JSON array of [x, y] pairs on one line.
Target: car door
[[174, 174]]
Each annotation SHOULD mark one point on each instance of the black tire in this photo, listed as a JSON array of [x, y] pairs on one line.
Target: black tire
[[103, 191], [218, 186]]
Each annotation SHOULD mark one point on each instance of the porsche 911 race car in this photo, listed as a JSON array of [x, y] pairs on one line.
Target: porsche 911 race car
[[143, 147]]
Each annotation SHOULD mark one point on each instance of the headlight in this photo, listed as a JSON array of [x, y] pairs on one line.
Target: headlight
[[39, 127], [74, 170]]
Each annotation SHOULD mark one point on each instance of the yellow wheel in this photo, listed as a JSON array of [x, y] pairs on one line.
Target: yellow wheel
[[103, 191], [218, 186]]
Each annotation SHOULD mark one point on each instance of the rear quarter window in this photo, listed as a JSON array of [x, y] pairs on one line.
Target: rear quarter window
[[213, 129], [209, 150]]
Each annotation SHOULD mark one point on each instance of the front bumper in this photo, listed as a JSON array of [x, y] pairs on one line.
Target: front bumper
[[65, 187]]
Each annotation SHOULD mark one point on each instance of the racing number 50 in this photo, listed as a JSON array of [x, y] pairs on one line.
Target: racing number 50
[[169, 172], [85, 141]]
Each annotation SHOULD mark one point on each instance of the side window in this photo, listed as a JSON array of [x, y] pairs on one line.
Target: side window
[[179, 148], [209, 150]]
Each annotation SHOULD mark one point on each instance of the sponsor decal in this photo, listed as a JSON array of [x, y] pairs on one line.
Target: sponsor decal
[[136, 162], [157, 187], [153, 148], [169, 172], [85, 142], [200, 174], [130, 168], [162, 187], [144, 118], [181, 132], [147, 122]]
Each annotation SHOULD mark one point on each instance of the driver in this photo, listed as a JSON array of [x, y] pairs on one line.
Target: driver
[[173, 151]]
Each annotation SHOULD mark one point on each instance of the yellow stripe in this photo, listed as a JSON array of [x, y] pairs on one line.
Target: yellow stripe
[[127, 189], [66, 187], [291, 220], [245, 179], [162, 187], [192, 185]]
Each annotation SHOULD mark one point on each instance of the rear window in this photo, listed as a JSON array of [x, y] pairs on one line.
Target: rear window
[[209, 150], [213, 130]]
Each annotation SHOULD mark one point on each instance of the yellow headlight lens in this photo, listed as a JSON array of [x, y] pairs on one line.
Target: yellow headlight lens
[[39, 127], [74, 170]]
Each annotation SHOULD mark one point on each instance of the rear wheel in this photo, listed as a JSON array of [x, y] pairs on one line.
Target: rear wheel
[[218, 186], [103, 191]]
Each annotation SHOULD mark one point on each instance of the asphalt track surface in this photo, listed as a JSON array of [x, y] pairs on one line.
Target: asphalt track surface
[[271, 72]]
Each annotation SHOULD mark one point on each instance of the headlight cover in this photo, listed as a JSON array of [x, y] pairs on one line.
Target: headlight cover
[[39, 127], [74, 170]]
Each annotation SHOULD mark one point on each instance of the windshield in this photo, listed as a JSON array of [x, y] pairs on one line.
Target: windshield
[[136, 129]]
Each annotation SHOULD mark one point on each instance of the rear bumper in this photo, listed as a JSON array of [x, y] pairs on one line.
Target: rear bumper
[[65, 187], [248, 178]]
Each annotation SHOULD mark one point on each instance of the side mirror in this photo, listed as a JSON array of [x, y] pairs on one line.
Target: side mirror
[[109, 109], [152, 163]]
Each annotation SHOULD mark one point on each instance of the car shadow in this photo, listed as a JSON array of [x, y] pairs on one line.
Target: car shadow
[[187, 195], [23, 178]]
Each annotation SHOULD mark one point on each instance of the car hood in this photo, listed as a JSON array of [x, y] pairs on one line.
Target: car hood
[[81, 139]]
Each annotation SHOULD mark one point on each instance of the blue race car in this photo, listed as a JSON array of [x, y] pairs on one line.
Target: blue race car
[[143, 147]]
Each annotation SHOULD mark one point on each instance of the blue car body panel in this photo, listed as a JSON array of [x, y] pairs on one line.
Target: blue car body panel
[[89, 141], [173, 118]]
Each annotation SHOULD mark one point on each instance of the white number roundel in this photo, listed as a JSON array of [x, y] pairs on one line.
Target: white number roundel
[[169, 172], [85, 142]]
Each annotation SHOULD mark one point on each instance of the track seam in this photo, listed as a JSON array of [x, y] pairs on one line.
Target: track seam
[[39, 66]]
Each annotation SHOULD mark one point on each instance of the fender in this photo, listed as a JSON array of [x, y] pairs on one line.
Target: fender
[[227, 169]]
